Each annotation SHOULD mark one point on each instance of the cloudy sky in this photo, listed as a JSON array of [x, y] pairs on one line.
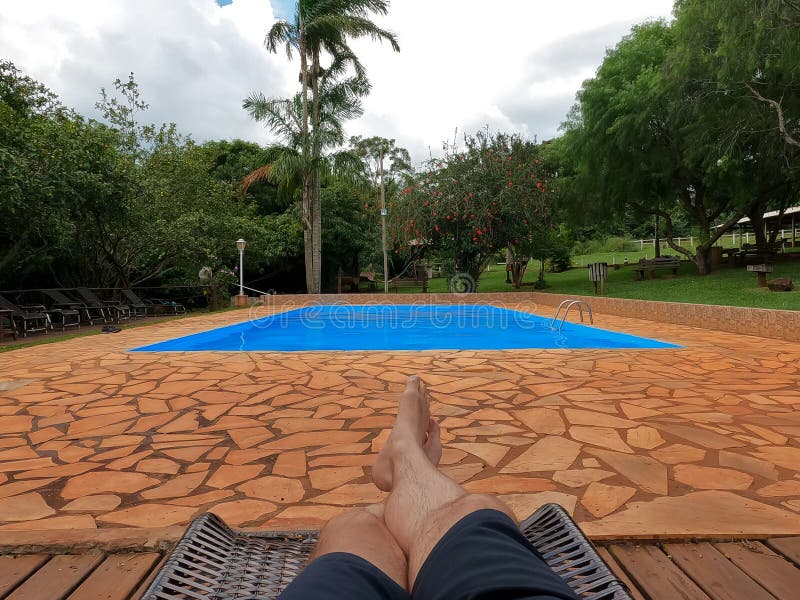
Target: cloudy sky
[[513, 65]]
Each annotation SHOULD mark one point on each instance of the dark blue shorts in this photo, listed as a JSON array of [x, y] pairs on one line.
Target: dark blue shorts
[[484, 556]]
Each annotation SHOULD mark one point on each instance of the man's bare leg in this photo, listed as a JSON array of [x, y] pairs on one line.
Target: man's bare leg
[[424, 503], [362, 532]]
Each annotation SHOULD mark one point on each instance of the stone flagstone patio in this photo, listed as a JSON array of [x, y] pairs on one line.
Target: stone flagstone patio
[[695, 442]]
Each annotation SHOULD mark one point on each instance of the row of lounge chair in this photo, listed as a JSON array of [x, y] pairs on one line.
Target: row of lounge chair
[[82, 306]]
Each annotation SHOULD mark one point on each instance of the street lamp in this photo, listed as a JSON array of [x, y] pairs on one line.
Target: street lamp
[[240, 244]]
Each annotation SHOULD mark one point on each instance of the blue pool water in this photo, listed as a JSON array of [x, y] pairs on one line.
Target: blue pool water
[[400, 327]]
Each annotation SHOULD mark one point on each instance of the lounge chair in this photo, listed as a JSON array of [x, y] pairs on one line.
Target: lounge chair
[[156, 305], [139, 308], [215, 561], [27, 319], [119, 311], [89, 313]]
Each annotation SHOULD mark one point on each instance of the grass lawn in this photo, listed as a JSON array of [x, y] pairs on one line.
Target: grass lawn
[[725, 286]]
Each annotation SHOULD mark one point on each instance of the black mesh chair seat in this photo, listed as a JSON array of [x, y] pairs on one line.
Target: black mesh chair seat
[[213, 561]]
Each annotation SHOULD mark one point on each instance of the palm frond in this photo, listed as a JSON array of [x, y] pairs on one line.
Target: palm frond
[[261, 174], [282, 33], [330, 26]]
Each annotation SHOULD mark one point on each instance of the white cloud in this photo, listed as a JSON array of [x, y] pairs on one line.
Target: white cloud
[[511, 64]]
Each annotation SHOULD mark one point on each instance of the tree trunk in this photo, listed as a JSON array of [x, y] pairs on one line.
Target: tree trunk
[[316, 194], [702, 260], [657, 238], [518, 271], [756, 215], [307, 217], [307, 202]]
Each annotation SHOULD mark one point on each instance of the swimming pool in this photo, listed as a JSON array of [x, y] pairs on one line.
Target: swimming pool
[[401, 327]]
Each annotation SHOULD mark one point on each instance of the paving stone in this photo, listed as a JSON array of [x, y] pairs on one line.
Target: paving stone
[[524, 505], [230, 475], [26, 464], [158, 465], [69, 522], [600, 436], [546, 421], [329, 478], [647, 473], [594, 419], [787, 457], [15, 424], [712, 478], [789, 487], [189, 454], [548, 454], [645, 437], [506, 484], [96, 482], [576, 478], [176, 487], [314, 438], [24, 507], [200, 499], [149, 515], [463, 472], [58, 471], [351, 494], [239, 512], [697, 514], [702, 437], [242, 457], [290, 464], [99, 503], [601, 499], [741, 462], [303, 517], [276, 489], [491, 454], [678, 453]]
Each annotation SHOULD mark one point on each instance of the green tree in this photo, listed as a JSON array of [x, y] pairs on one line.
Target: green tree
[[650, 135], [475, 202], [321, 27]]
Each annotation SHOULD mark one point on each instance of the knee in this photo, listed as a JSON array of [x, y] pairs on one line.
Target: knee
[[470, 503], [353, 519]]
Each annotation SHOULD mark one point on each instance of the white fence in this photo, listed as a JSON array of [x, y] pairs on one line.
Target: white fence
[[727, 240]]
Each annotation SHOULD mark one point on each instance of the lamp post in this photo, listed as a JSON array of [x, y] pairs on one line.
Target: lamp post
[[241, 299], [383, 232]]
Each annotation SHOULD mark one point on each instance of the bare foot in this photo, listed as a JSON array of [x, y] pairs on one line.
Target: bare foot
[[414, 425]]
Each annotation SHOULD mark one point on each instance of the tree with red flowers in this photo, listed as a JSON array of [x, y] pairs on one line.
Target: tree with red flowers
[[476, 201]]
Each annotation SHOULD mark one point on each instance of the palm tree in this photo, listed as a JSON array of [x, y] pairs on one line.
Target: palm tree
[[289, 165], [322, 26]]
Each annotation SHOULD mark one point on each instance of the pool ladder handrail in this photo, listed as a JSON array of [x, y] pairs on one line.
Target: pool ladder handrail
[[569, 304]]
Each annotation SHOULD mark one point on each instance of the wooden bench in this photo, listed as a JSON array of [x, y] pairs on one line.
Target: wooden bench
[[671, 263], [409, 283], [416, 278]]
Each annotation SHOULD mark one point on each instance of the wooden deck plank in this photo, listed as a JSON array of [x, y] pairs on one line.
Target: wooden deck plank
[[116, 577], [655, 573], [789, 547], [15, 569], [620, 573], [149, 579], [62, 574], [714, 574], [780, 577]]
